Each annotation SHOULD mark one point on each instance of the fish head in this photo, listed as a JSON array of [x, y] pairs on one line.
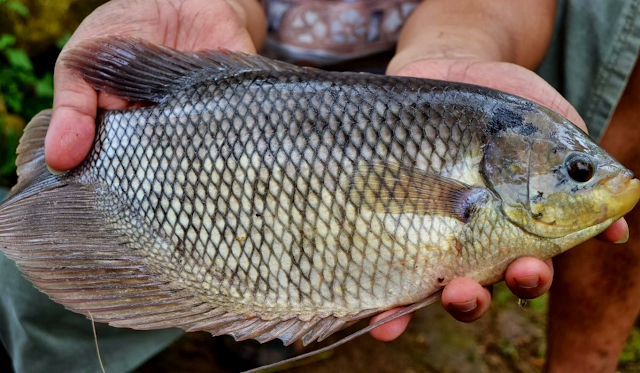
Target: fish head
[[553, 180]]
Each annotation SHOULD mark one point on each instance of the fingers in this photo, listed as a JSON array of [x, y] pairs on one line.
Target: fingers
[[503, 76], [251, 14], [618, 232], [391, 330], [529, 277], [111, 102], [465, 299], [72, 127]]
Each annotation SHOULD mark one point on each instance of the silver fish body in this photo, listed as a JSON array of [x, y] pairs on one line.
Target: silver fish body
[[278, 202], [256, 190]]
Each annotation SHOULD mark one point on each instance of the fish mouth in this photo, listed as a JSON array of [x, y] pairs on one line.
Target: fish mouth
[[621, 194], [624, 191], [620, 182]]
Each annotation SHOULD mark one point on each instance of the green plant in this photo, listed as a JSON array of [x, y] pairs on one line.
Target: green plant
[[22, 91], [16, 7]]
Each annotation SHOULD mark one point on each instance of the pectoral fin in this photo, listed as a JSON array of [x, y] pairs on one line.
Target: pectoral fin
[[396, 189]]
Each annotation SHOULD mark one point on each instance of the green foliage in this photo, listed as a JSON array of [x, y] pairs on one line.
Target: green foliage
[[18, 81], [8, 143], [60, 43], [23, 92], [6, 41], [16, 7], [502, 296], [631, 351]]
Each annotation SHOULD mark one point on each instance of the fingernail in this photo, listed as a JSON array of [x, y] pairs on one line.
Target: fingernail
[[528, 282], [465, 306], [625, 238], [54, 172]]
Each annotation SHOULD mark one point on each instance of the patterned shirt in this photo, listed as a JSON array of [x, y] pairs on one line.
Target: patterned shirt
[[325, 32]]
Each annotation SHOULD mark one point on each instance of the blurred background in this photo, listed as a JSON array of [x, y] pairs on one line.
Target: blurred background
[[509, 338]]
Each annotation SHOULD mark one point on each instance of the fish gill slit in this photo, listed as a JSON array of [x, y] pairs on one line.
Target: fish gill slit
[[529, 181]]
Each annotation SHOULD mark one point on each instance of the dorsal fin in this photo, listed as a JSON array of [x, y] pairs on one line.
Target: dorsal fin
[[138, 70], [30, 161]]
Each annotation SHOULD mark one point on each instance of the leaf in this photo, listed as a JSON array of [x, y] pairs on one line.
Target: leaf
[[44, 85], [6, 40], [8, 166], [33, 105], [13, 98], [18, 7], [62, 41], [9, 142], [18, 59]]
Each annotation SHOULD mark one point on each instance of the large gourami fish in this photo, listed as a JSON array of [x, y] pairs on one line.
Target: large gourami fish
[[263, 200]]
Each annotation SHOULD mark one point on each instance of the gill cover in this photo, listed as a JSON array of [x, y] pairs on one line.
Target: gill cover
[[553, 180]]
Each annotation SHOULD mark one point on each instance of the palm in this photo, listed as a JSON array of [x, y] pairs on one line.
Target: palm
[[186, 24], [180, 24], [503, 76]]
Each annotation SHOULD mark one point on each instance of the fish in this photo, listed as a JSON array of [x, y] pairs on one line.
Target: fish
[[263, 200]]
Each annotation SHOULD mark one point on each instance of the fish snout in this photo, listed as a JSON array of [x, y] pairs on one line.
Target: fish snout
[[623, 193], [621, 183]]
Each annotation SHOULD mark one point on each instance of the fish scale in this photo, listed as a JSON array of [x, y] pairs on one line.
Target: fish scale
[[270, 258], [296, 276], [263, 200]]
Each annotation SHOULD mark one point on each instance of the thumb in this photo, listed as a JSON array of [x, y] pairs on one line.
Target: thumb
[[72, 126]]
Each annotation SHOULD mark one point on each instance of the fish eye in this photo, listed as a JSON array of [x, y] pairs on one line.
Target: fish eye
[[579, 168]]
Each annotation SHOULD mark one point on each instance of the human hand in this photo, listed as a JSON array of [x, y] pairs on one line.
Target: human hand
[[181, 24], [455, 51]]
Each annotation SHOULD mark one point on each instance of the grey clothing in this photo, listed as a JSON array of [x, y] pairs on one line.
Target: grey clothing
[[592, 54]]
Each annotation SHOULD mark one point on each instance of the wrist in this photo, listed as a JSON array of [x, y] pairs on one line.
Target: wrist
[[477, 30], [454, 46]]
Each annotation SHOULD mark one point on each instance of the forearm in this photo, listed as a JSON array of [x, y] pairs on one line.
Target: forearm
[[485, 30]]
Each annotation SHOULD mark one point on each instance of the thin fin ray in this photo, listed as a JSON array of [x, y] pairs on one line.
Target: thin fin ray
[[141, 71], [398, 189], [404, 311], [30, 160]]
